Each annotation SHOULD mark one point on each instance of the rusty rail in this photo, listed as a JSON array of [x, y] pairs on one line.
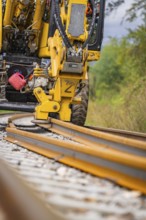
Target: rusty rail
[[119, 159], [94, 138], [119, 132]]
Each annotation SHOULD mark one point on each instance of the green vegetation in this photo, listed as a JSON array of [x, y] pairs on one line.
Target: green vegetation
[[6, 111], [118, 81]]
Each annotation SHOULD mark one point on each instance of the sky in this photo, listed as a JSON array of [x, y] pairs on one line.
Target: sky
[[113, 26]]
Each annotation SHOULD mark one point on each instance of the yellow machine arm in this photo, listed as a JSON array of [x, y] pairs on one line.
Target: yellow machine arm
[[69, 56], [69, 32]]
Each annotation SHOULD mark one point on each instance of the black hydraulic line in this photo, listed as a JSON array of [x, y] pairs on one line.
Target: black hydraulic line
[[99, 30], [55, 15], [100, 24], [15, 106], [61, 28], [52, 24], [60, 25], [92, 24]]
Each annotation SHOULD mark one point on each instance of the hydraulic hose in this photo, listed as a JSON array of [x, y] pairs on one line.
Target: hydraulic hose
[[60, 25], [92, 24], [101, 24], [52, 26], [99, 29]]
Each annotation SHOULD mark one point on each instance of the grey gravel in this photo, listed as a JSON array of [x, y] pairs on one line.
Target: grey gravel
[[77, 194]]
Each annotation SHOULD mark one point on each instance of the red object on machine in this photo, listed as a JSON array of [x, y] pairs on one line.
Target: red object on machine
[[89, 10], [17, 81]]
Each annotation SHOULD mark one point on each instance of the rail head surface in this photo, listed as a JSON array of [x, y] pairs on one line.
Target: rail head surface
[[124, 133]]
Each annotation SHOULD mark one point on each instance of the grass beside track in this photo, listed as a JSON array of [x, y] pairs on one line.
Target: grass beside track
[[125, 111], [6, 111]]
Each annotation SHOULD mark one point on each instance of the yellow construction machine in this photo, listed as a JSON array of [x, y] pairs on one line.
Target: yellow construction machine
[[45, 47]]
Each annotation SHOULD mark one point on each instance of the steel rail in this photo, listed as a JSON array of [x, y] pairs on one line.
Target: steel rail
[[121, 167], [11, 120], [19, 201], [94, 138], [124, 133]]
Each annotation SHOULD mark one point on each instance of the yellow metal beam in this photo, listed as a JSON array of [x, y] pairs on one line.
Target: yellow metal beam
[[39, 10], [10, 4]]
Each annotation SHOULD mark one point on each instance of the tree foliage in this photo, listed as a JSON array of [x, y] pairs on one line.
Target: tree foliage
[[112, 5], [118, 80], [122, 62], [138, 8], [107, 74]]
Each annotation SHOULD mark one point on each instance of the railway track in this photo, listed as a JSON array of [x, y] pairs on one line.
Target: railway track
[[71, 192], [123, 133], [120, 159]]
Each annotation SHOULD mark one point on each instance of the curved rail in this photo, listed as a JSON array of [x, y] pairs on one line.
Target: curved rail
[[122, 160], [123, 133], [95, 138]]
